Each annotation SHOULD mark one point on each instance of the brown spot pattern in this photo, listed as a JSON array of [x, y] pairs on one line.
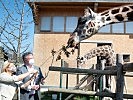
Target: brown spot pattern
[[130, 16], [104, 51], [115, 11], [131, 7], [125, 9], [108, 19], [119, 17]]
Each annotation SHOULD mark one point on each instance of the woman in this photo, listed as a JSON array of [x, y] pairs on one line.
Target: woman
[[7, 80]]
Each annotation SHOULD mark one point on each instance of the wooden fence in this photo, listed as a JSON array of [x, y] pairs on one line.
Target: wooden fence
[[119, 71]]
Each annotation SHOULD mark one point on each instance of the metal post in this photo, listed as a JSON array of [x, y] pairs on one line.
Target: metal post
[[66, 81], [119, 78], [78, 62], [103, 77], [62, 65]]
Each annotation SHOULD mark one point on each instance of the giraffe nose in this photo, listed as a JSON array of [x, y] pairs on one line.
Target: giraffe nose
[[84, 31], [90, 30], [70, 42]]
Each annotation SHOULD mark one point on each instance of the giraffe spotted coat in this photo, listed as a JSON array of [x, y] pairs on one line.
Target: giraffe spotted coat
[[105, 51]]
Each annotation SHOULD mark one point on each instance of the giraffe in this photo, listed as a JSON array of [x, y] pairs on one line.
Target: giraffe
[[105, 51], [91, 22]]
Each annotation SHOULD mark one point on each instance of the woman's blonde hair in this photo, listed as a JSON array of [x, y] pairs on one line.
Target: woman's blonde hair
[[6, 65]]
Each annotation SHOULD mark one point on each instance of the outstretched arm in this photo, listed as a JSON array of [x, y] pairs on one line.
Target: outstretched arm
[[22, 76], [15, 78], [28, 82]]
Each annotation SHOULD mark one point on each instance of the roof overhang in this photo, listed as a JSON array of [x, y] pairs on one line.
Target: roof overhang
[[96, 5]]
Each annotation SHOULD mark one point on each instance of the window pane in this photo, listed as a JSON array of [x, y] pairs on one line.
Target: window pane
[[105, 29], [71, 23], [58, 24], [118, 28], [45, 23], [129, 27]]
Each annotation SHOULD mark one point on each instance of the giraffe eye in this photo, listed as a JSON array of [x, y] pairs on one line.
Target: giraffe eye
[[82, 58], [87, 27], [84, 31]]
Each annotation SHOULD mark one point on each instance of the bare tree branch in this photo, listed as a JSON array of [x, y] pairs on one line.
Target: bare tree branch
[[13, 30]]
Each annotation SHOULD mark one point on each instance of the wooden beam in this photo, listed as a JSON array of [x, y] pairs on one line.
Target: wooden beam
[[83, 71], [128, 67], [91, 93], [78, 85]]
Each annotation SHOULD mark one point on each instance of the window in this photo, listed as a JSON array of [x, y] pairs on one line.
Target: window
[[129, 27], [71, 23], [124, 27], [118, 28], [58, 24], [105, 29], [45, 23], [126, 58]]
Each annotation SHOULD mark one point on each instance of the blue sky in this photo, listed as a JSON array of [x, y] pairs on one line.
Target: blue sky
[[28, 18], [10, 6]]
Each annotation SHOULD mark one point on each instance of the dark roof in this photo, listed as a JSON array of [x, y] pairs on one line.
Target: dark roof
[[99, 6]]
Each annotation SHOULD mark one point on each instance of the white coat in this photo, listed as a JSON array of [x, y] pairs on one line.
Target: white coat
[[7, 86]]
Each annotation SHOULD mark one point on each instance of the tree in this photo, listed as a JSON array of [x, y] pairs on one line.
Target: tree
[[16, 20]]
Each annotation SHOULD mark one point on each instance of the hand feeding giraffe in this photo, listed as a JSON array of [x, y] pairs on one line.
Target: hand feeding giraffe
[[91, 22]]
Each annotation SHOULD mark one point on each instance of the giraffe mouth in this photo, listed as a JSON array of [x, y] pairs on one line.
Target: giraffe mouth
[[65, 49], [73, 41], [71, 44], [67, 53]]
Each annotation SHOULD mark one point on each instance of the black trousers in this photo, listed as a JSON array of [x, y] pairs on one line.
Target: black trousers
[[34, 96]]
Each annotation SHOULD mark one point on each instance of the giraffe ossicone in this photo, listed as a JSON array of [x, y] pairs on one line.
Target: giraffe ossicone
[[91, 22]]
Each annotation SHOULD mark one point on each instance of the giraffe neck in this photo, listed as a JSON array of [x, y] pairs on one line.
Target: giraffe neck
[[117, 14], [105, 51]]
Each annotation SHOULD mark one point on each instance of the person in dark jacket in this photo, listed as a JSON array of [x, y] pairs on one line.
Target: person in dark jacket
[[32, 91]]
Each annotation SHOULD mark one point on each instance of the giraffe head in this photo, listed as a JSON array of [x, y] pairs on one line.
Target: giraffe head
[[87, 25]]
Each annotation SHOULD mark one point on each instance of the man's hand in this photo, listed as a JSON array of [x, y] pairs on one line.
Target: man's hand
[[42, 81], [33, 71], [35, 87]]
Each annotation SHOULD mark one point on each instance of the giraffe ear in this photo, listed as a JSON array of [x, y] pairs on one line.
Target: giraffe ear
[[89, 12]]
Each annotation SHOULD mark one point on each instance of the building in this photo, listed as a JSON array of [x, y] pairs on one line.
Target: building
[[56, 19]]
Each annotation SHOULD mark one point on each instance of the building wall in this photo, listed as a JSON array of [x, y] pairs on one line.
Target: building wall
[[45, 42]]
